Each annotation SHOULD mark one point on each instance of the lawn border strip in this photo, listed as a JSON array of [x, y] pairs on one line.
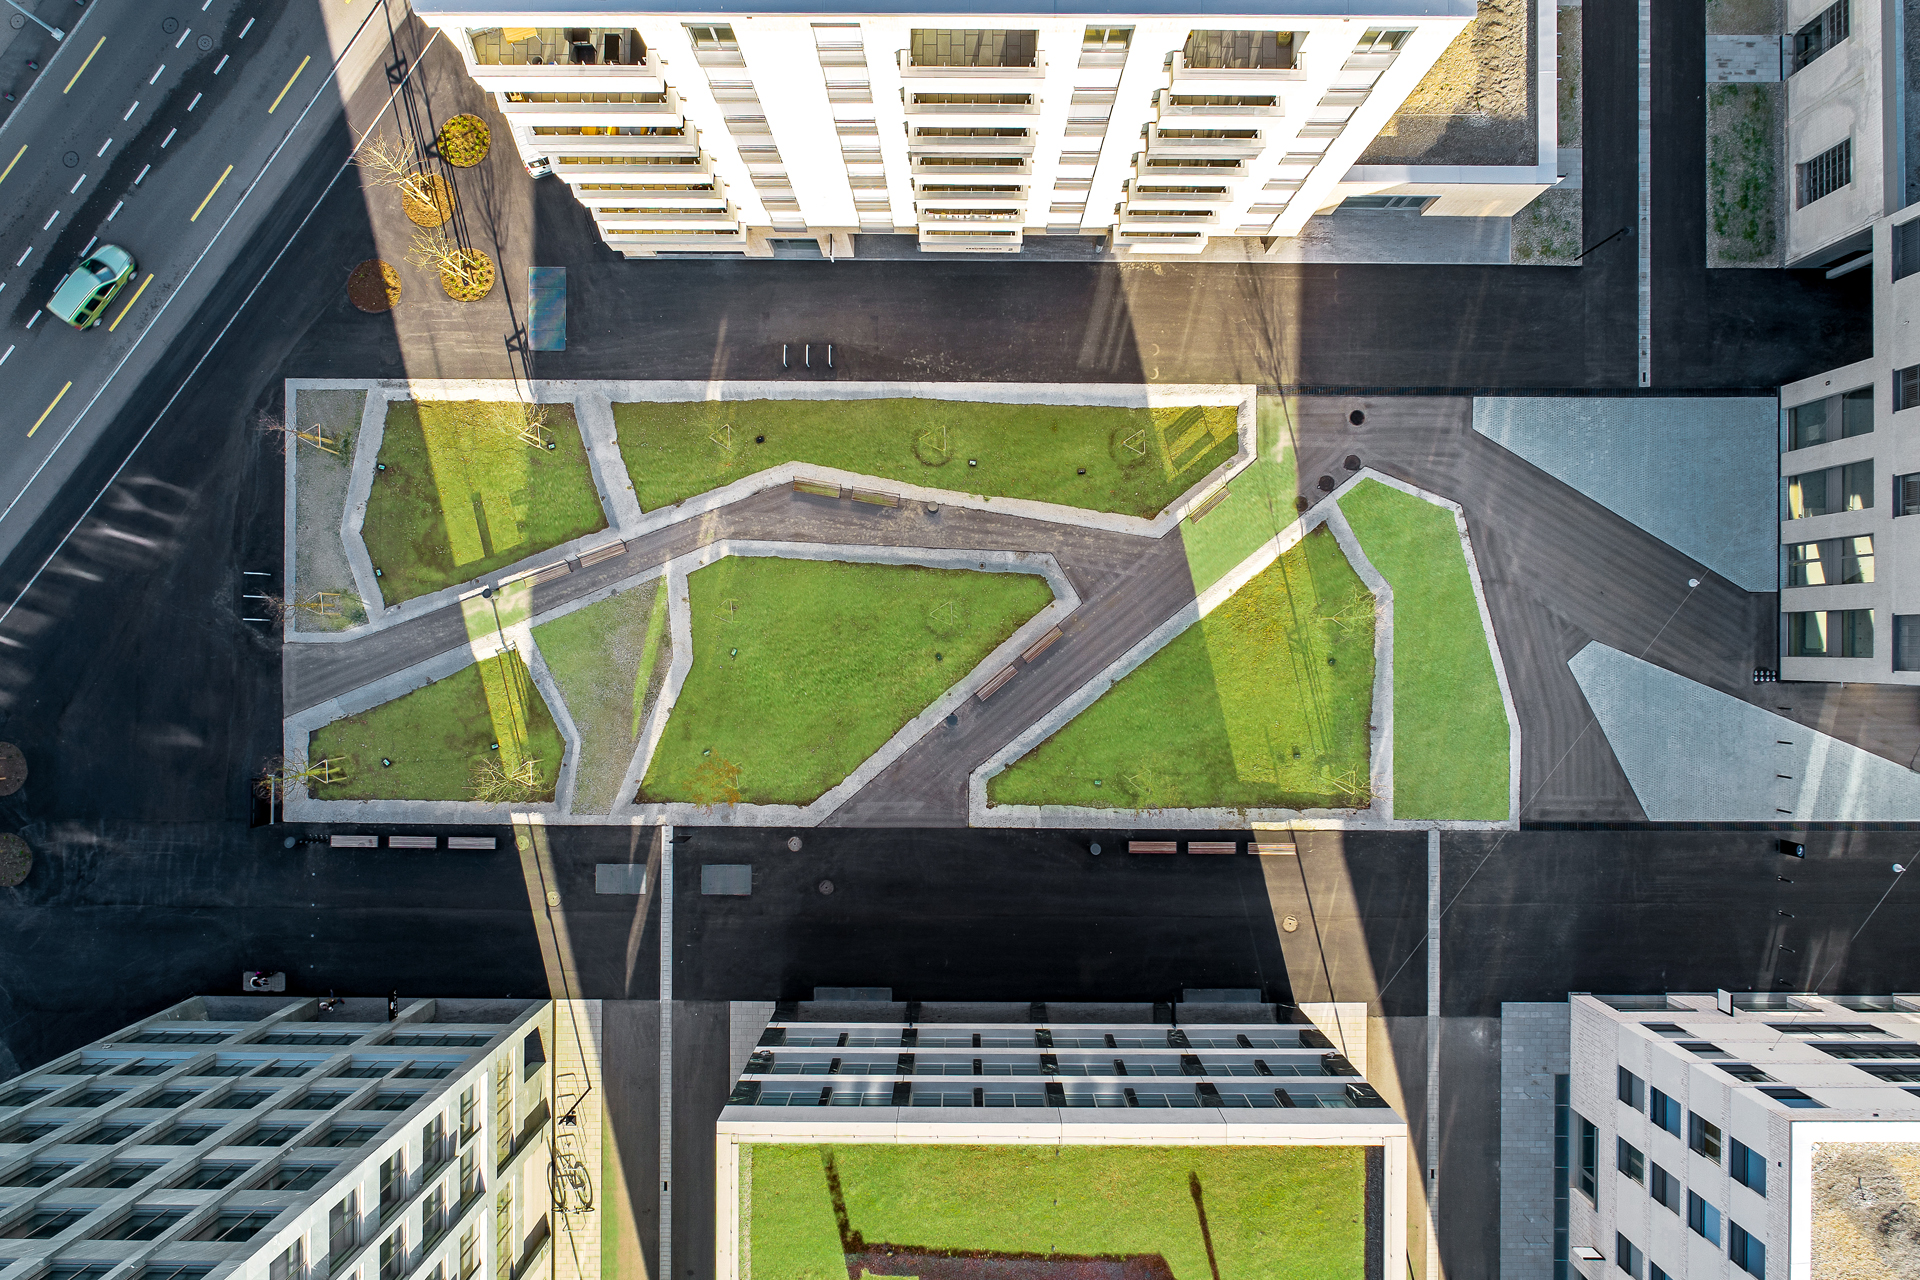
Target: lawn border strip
[[622, 509]]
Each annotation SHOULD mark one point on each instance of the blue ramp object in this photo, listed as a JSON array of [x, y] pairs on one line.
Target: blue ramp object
[[547, 308]]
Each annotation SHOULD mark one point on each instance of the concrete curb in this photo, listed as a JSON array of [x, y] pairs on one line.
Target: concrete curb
[[366, 451], [1380, 744]]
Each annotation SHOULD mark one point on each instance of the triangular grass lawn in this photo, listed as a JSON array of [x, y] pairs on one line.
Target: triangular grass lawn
[[463, 494], [1264, 703], [1450, 739], [804, 668], [1280, 1213], [608, 659], [1136, 460], [438, 735]]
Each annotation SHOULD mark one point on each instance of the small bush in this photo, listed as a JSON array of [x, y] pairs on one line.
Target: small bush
[[464, 140]]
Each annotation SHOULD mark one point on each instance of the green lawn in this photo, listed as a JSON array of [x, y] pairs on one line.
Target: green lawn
[[1258, 505], [438, 735], [603, 657], [1278, 1213], [804, 668], [1137, 460], [1241, 710], [1450, 742], [462, 495]]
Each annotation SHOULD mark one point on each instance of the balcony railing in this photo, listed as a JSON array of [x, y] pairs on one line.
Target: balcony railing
[[548, 46]]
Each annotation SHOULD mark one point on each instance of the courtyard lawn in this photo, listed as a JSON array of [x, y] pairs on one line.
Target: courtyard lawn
[[438, 735], [463, 495], [604, 658], [1137, 460], [1264, 703], [1450, 740], [804, 668], [1280, 1213], [1258, 505]]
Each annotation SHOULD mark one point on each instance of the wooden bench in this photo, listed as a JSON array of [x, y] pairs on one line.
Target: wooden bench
[[818, 488], [413, 842], [1273, 848], [1213, 846], [1215, 499], [1040, 646], [590, 558], [1153, 846], [470, 842], [559, 569], [875, 497], [992, 686], [355, 842]]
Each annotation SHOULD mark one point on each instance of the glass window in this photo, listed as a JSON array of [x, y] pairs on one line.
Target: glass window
[[1807, 424], [343, 1221], [1856, 412], [1827, 29], [1906, 387], [1627, 1256], [1906, 249], [1906, 642], [1589, 1158], [1703, 1218], [1746, 1253], [1831, 633], [1630, 1160], [1664, 1112], [1825, 174], [1830, 490], [1382, 40], [1745, 1071], [712, 37], [1747, 1166], [1633, 1091], [1663, 1188], [1703, 1137], [1906, 494], [1106, 39], [1239, 50], [1791, 1098]]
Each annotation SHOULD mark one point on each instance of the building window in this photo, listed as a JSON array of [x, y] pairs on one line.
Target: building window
[[1628, 1258], [1747, 1253], [1562, 1112], [1745, 1071], [945, 47], [1870, 1052], [1791, 1098], [1906, 387], [712, 37], [1664, 1112], [1906, 249], [1703, 1218], [1106, 40], [1663, 1188], [1589, 1158], [343, 1221], [1811, 424], [1830, 489], [1703, 1137], [1831, 561], [1239, 50], [290, 1263], [1906, 642], [1747, 1166], [1633, 1090], [1382, 40], [1825, 174], [393, 1256], [1823, 33], [1906, 494], [1832, 633], [1655, 1273], [1630, 1160]]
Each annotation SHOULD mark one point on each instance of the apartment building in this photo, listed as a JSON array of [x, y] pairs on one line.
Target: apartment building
[[1730, 1135], [274, 1138], [729, 131], [1853, 104], [1055, 1076], [1850, 489]]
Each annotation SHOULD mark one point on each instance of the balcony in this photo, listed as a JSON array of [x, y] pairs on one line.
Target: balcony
[[1186, 78], [972, 79], [1202, 111], [669, 220], [966, 112], [665, 111], [571, 47], [942, 168], [644, 244], [945, 240]]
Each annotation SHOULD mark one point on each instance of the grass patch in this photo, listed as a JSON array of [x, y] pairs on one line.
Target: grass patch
[[1241, 710], [1137, 460], [804, 668], [603, 658], [1281, 1213], [439, 734], [1450, 740], [1743, 174], [1547, 233], [1568, 83], [462, 495], [1258, 505]]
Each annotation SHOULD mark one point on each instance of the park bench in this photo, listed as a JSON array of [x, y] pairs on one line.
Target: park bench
[[1213, 846], [1273, 848], [355, 842], [1040, 646], [558, 569], [818, 488], [1153, 846], [992, 686], [875, 497], [1214, 499], [413, 842], [470, 842], [590, 558]]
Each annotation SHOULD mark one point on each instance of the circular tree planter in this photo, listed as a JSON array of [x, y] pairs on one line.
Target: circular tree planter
[[374, 286], [463, 141], [430, 213], [480, 280], [15, 861], [13, 769]]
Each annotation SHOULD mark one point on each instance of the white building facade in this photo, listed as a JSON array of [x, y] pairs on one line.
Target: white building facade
[[1706, 1128], [267, 1138], [721, 131]]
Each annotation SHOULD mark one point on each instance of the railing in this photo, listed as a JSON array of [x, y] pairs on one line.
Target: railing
[[548, 46]]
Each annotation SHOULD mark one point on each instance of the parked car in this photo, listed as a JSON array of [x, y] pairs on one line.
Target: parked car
[[539, 167], [82, 297]]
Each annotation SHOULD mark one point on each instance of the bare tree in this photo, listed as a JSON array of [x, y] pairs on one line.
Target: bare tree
[[435, 250], [388, 161], [276, 425], [494, 783]]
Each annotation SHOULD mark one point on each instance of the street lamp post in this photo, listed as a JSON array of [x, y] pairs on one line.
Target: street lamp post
[[55, 32]]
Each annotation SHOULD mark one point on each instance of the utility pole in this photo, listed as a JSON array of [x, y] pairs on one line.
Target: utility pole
[[55, 32]]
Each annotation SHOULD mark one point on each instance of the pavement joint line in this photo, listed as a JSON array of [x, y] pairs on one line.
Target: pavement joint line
[[130, 301], [290, 79], [16, 160], [664, 890], [49, 409], [83, 66], [154, 423], [1643, 246], [203, 204], [1432, 1180]]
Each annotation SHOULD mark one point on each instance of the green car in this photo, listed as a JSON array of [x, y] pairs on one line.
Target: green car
[[83, 296]]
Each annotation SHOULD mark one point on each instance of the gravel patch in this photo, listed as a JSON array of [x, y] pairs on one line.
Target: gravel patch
[[1547, 232], [1746, 17], [320, 498], [1476, 104], [1745, 174]]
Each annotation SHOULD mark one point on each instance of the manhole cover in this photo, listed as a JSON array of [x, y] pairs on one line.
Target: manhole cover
[[793, 844], [952, 720], [1356, 417], [170, 25], [1326, 484], [1290, 924], [1094, 849], [1352, 462], [16, 21], [205, 43], [826, 886], [70, 159]]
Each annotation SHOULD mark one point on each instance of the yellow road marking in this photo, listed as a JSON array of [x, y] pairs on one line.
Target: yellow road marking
[[130, 301], [49, 409], [16, 160], [203, 203], [290, 79], [83, 66]]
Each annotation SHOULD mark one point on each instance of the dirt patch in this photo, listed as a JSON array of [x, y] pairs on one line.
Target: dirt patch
[[1745, 164], [433, 210], [1476, 104], [1567, 75], [1746, 17], [374, 286], [13, 768], [1547, 232], [1866, 1225], [893, 1260], [16, 860], [320, 499]]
